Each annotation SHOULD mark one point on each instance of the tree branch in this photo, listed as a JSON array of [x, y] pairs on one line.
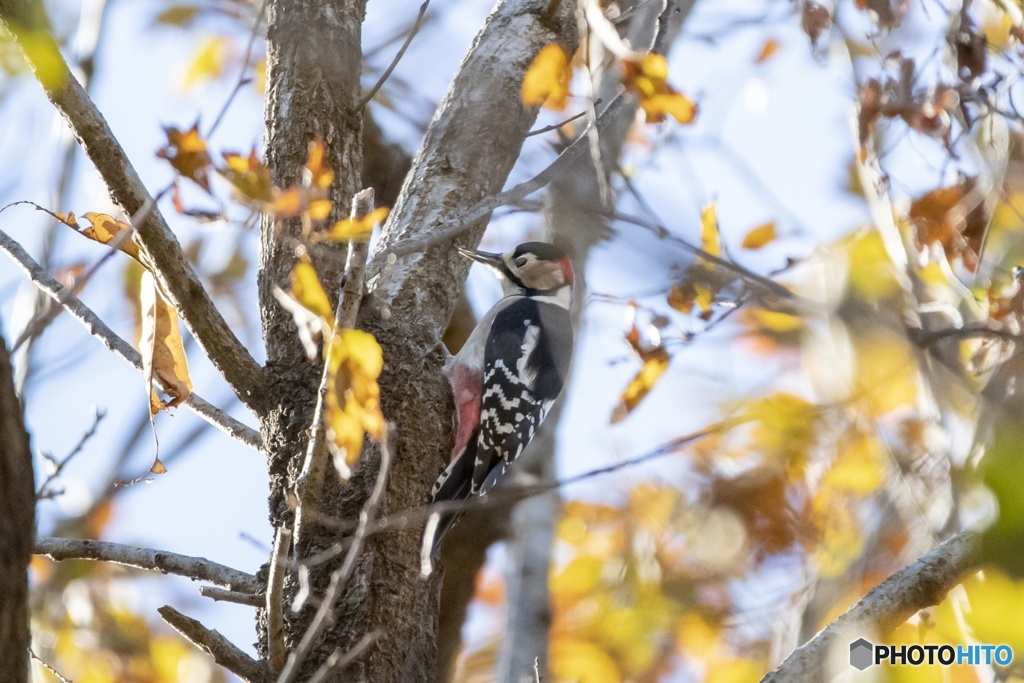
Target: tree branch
[[922, 584], [223, 651], [97, 328], [27, 19], [237, 597], [195, 568]]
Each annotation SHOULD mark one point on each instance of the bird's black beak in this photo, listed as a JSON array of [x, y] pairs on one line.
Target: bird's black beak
[[484, 257]]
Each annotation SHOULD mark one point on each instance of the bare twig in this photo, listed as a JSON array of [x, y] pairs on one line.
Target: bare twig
[[170, 265], [398, 57], [46, 666], [43, 491], [556, 126], [310, 482], [195, 568], [97, 328], [237, 597], [925, 339], [276, 651], [922, 584], [499, 497], [223, 651], [325, 612], [242, 79], [339, 660]]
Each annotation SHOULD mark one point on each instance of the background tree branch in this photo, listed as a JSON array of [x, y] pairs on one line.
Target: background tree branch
[[27, 18], [922, 584]]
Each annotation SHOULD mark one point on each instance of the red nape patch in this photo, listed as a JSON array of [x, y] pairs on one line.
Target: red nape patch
[[567, 269]]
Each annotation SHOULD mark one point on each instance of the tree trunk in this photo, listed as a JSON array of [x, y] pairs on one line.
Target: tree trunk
[[313, 65], [467, 154], [17, 527]]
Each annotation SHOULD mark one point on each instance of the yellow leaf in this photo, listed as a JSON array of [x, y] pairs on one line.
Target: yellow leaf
[[306, 288], [45, 58], [858, 469], [871, 272], [158, 467], [775, 321], [105, 229], [710, 239], [209, 61], [319, 209], [759, 236], [648, 79], [577, 578], [654, 367], [354, 361], [678, 106], [178, 15], [259, 77], [841, 536], [735, 670], [186, 152], [162, 349], [705, 296], [547, 80], [886, 373], [572, 659], [357, 230]]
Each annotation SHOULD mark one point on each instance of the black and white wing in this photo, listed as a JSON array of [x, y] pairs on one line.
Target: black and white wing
[[525, 364]]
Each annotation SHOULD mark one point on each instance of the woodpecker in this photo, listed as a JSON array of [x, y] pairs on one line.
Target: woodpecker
[[510, 370]]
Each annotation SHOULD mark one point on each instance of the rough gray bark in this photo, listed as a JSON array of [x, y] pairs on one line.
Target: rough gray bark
[[469, 150], [314, 57], [17, 527]]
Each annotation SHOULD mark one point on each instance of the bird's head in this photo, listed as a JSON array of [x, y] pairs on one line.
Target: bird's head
[[532, 267]]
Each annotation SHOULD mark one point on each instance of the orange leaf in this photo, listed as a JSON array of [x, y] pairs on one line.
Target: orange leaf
[[162, 348], [954, 218], [648, 79], [655, 364], [186, 152], [319, 174], [288, 204], [547, 80], [768, 50], [249, 177], [759, 236]]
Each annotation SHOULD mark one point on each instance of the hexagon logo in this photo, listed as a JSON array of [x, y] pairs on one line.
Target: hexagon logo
[[861, 654]]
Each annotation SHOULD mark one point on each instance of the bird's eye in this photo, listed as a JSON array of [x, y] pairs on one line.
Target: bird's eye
[[521, 261]]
